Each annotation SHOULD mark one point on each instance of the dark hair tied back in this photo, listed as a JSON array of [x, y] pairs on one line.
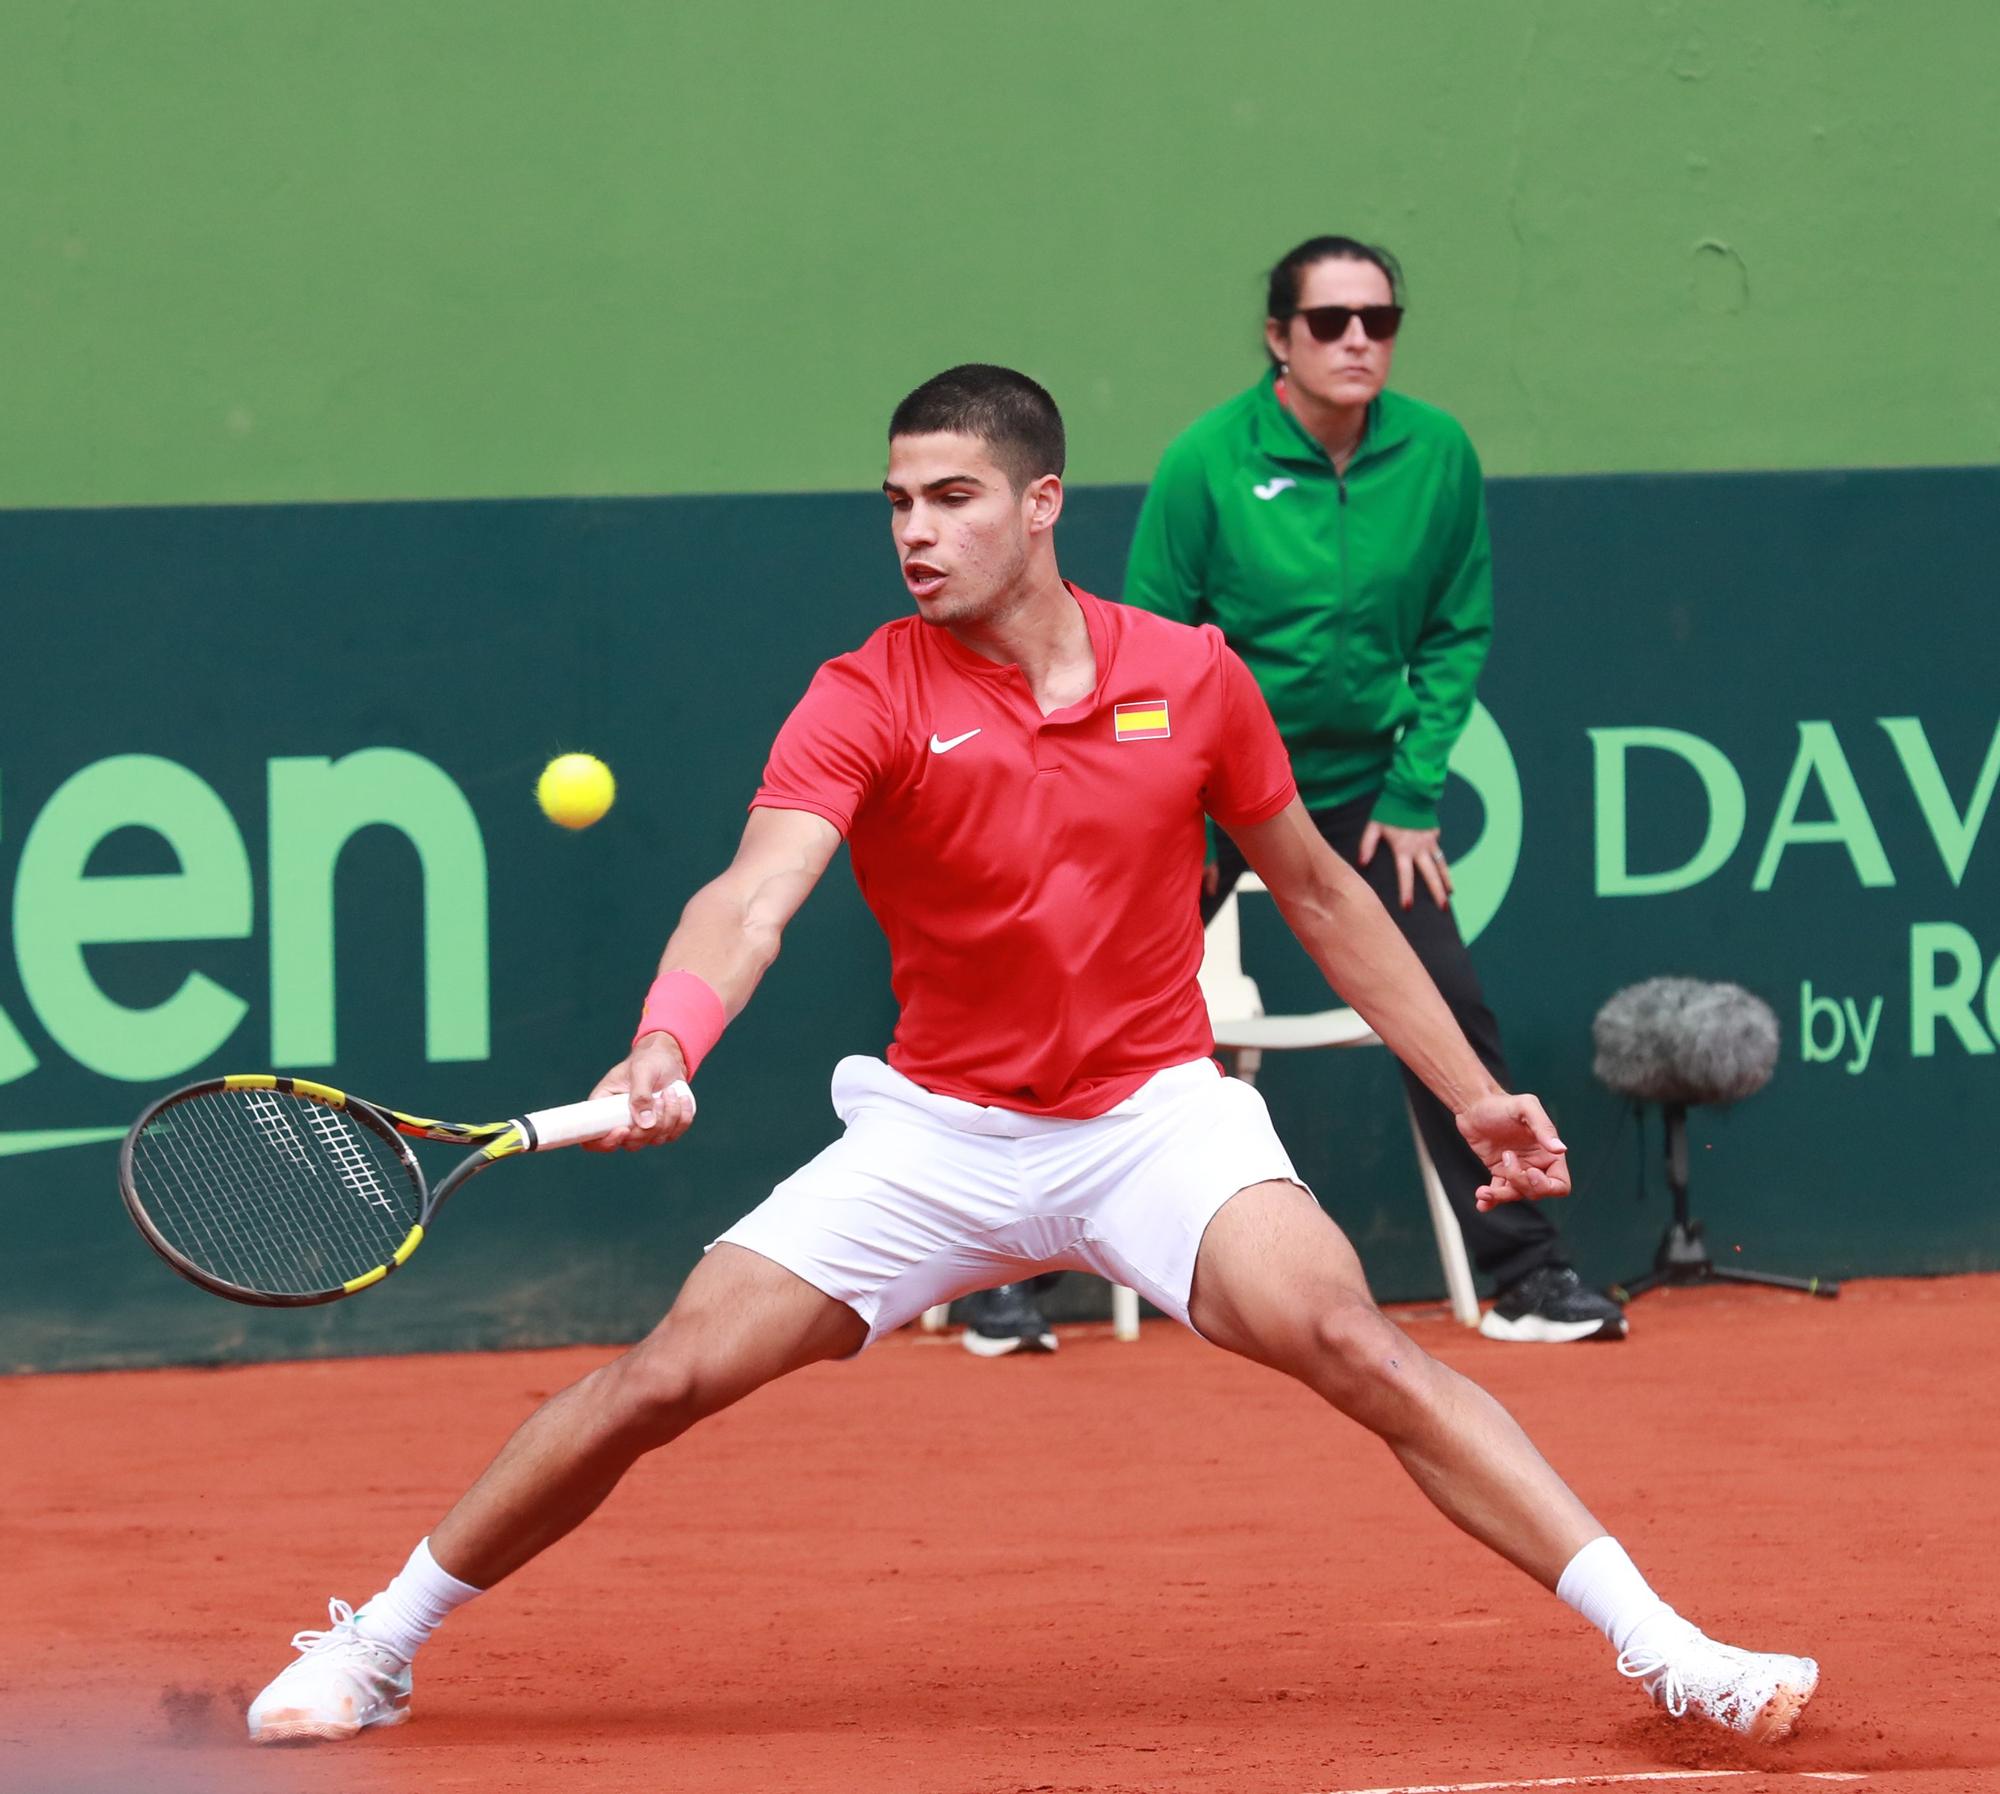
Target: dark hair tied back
[[1281, 299]]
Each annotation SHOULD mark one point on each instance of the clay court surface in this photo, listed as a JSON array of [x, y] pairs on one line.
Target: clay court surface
[[1123, 1569]]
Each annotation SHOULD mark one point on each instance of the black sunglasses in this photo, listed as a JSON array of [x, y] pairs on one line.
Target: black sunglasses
[[1328, 323]]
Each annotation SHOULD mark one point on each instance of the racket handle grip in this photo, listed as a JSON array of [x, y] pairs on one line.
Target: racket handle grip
[[572, 1122]]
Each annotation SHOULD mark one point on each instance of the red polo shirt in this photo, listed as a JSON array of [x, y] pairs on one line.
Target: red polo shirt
[[1037, 876]]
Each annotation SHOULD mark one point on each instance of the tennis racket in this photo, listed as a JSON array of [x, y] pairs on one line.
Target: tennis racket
[[285, 1193]]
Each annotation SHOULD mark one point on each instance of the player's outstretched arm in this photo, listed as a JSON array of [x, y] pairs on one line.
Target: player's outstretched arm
[[1355, 942], [728, 936]]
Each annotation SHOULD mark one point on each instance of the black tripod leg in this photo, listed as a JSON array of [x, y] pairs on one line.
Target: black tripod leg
[[1812, 1286], [1638, 1286]]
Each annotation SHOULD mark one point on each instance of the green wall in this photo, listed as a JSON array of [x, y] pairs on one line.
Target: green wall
[[339, 249]]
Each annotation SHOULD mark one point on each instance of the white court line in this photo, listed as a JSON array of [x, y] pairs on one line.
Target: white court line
[[1606, 1781]]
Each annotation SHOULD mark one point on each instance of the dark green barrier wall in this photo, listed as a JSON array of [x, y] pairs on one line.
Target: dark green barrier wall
[[217, 700]]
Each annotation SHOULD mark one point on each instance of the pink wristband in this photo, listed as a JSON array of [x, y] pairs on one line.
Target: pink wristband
[[685, 1006]]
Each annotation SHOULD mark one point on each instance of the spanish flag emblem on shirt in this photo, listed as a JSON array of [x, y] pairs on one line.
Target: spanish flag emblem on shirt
[[1145, 721]]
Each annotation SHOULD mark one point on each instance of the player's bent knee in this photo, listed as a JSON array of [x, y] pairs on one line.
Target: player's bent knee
[[658, 1395], [1361, 1357], [1346, 1333]]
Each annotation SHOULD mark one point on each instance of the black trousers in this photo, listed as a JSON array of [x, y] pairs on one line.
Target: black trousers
[[1515, 1238]]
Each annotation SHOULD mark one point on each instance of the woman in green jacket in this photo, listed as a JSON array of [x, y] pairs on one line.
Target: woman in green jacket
[[1336, 533]]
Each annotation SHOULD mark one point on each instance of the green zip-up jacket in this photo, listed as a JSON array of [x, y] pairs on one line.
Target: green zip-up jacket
[[1363, 604]]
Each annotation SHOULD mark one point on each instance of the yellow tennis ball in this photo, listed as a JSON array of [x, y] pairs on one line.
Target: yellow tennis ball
[[575, 789]]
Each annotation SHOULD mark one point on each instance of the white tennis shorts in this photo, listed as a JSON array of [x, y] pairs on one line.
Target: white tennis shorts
[[926, 1197]]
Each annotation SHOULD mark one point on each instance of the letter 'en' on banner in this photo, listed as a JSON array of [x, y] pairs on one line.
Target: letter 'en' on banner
[[316, 805]]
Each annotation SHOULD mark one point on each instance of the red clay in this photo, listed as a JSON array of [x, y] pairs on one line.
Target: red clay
[[1122, 1569]]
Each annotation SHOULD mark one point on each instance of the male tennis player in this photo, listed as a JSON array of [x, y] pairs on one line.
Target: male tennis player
[[1020, 771]]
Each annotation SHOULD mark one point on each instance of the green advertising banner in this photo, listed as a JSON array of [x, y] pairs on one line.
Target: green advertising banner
[[266, 803]]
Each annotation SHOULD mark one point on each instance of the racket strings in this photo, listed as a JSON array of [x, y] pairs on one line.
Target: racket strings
[[349, 1159], [292, 1241], [202, 1195], [274, 1192], [195, 1192]]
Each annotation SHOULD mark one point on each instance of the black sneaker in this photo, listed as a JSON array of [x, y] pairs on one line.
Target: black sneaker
[[1551, 1306], [1003, 1320]]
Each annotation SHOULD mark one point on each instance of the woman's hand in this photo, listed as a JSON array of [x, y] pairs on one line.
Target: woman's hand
[[1418, 855]]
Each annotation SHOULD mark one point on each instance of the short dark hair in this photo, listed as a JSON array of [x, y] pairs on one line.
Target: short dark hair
[[1011, 414], [1281, 297]]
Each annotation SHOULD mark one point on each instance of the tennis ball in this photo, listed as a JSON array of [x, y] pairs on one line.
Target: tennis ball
[[575, 789]]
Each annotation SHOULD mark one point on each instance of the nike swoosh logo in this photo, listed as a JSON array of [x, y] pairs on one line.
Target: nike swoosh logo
[[13, 1140], [1271, 488], [945, 747]]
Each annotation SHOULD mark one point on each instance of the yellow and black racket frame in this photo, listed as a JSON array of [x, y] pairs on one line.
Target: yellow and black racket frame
[[494, 1140]]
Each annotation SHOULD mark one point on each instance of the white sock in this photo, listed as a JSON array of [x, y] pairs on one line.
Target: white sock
[[414, 1605], [1604, 1585]]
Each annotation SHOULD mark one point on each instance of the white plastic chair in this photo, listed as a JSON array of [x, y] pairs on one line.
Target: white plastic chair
[[1244, 1032]]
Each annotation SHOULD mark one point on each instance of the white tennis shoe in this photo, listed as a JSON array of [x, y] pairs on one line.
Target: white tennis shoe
[[341, 1684], [1759, 1694]]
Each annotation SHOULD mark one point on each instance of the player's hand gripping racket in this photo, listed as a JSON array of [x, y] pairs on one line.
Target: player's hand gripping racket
[[284, 1193]]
